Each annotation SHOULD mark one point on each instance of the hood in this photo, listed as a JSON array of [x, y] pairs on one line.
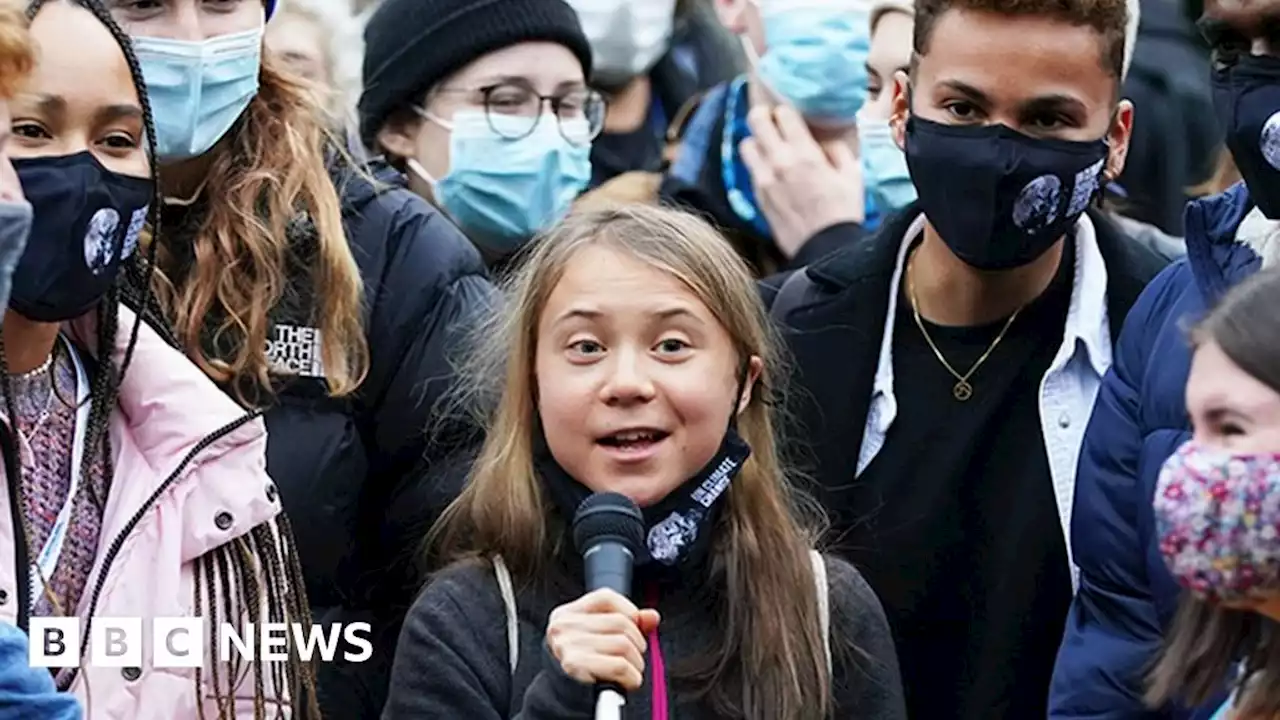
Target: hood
[[360, 185], [1227, 239]]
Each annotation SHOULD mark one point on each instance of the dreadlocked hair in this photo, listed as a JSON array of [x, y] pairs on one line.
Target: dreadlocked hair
[[219, 293], [239, 577]]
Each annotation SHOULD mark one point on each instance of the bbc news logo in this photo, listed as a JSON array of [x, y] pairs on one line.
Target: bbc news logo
[[181, 642]]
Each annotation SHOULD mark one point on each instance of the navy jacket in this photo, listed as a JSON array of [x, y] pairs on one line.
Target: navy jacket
[[1127, 597], [362, 480]]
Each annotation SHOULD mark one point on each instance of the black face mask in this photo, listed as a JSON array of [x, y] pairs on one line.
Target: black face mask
[[1000, 199], [677, 528], [1246, 96], [86, 223]]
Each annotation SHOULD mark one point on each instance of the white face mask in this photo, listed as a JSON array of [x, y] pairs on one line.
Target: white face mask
[[627, 37]]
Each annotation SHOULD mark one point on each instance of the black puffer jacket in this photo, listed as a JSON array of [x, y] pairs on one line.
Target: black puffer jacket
[[359, 480]]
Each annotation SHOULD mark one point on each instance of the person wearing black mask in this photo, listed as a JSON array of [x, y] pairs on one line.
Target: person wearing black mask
[[1128, 598], [950, 362]]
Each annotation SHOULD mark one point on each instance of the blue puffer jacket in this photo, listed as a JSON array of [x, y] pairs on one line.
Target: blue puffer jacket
[[27, 692], [1127, 598]]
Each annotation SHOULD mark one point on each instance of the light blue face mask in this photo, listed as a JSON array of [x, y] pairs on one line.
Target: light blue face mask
[[503, 192], [15, 228], [816, 58], [198, 89], [884, 166]]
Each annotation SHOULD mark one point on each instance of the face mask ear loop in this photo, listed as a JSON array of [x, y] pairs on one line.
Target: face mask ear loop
[[744, 373], [1104, 179], [433, 118], [753, 68], [414, 166]]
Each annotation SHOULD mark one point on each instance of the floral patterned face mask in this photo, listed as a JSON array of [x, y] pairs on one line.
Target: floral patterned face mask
[[1218, 520]]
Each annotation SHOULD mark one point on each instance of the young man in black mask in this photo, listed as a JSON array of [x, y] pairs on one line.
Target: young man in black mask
[[950, 362]]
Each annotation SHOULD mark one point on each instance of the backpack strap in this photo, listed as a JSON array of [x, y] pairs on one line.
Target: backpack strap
[[790, 295], [513, 629], [824, 601], [509, 601]]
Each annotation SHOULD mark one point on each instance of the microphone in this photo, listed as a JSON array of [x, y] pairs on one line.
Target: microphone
[[608, 531]]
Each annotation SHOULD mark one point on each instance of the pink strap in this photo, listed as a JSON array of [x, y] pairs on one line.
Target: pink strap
[[658, 665]]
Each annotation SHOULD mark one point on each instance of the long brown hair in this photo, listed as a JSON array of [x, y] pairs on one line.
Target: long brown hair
[[1208, 640], [768, 662], [271, 172]]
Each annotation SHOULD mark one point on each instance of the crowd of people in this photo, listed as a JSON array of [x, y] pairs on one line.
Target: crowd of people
[[934, 342]]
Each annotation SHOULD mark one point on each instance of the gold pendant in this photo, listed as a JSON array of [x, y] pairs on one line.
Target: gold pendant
[[962, 390]]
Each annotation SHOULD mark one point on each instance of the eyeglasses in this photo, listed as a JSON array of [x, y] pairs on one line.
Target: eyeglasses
[[513, 111]]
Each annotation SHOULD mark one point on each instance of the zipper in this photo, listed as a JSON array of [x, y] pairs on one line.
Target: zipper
[[21, 553], [658, 666], [118, 542]]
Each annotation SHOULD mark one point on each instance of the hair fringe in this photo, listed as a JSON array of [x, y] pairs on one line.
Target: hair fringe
[[1109, 18]]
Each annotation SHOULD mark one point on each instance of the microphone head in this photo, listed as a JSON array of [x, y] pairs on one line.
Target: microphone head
[[608, 516]]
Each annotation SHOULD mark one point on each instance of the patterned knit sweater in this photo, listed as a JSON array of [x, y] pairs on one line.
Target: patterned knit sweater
[[47, 424]]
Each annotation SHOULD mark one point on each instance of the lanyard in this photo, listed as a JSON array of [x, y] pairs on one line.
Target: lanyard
[[47, 561]]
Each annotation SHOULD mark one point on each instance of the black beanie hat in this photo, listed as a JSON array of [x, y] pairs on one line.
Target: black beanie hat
[[410, 45]]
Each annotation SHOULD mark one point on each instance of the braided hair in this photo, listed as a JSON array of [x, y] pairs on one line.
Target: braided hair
[[262, 566], [104, 387]]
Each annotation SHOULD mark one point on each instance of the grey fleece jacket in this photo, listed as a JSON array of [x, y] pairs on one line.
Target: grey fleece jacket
[[452, 660]]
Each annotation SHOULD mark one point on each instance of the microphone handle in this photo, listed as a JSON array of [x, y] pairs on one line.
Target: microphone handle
[[608, 565], [609, 704]]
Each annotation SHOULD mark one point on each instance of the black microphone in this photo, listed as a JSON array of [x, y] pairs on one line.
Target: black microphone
[[608, 530]]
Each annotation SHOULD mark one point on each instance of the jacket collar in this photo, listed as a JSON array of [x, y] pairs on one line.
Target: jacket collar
[[1087, 318], [1087, 322], [1222, 247], [167, 404]]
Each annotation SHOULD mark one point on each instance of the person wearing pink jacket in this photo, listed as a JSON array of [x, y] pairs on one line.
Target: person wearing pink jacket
[[134, 487]]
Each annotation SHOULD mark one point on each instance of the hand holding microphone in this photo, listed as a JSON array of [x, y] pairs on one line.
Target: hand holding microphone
[[599, 638]]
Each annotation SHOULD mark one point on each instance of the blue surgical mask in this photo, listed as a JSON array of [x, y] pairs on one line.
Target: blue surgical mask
[[503, 192], [815, 58], [884, 166], [198, 89]]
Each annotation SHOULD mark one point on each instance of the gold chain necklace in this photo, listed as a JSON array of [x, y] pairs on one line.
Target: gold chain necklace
[[963, 389]]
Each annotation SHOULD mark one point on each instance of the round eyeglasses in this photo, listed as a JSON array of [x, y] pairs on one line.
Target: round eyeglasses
[[513, 111]]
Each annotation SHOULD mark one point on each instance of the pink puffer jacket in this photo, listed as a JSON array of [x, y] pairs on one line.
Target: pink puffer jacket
[[190, 476]]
